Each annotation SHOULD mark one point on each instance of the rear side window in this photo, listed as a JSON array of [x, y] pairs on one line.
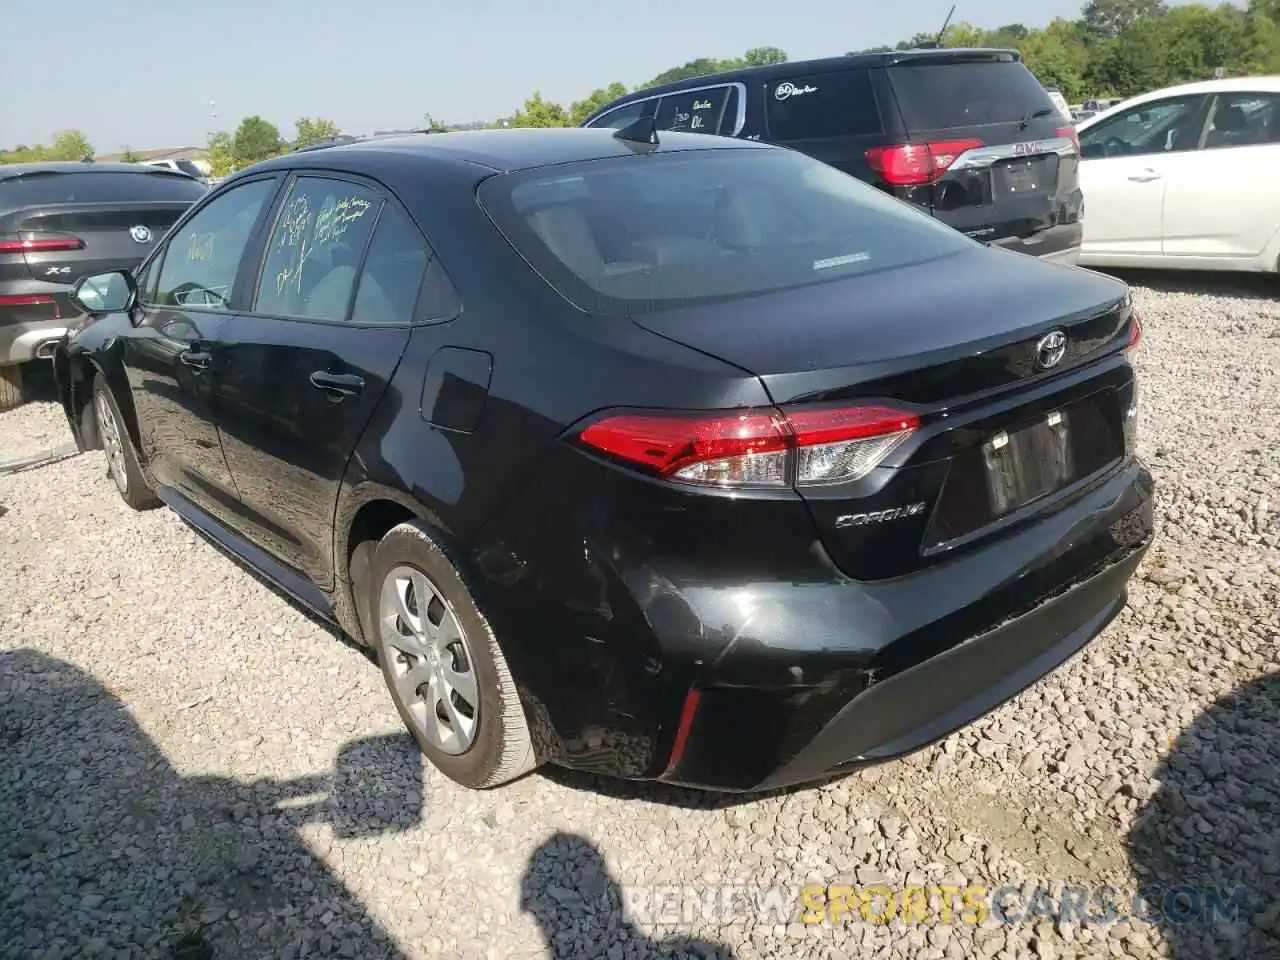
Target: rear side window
[[636, 234], [393, 270], [45, 188], [840, 104], [315, 249], [935, 96], [693, 112]]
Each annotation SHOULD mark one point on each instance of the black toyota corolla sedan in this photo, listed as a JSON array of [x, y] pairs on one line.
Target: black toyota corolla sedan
[[693, 460]]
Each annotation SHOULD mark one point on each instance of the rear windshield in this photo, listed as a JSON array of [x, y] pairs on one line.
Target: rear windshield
[[650, 232], [42, 188], [934, 96]]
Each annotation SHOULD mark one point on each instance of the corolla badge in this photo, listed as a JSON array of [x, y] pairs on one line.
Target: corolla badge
[[788, 89], [879, 516], [1050, 349], [140, 234]]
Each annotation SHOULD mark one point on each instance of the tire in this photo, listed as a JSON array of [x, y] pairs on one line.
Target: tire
[[480, 737], [10, 386], [123, 465]]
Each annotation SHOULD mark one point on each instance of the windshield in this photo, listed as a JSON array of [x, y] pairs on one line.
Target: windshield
[[649, 232]]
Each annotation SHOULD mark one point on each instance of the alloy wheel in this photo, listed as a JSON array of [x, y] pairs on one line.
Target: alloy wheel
[[109, 431], [428, 661]]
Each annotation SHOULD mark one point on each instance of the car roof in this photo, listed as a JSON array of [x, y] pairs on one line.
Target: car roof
[[12, 171], [1226, 85], [500, 151], [793, 68]]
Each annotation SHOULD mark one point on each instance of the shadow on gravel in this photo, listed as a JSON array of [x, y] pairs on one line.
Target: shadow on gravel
[[579, 906], [1213, 828], [1210, 282], [106, 850]]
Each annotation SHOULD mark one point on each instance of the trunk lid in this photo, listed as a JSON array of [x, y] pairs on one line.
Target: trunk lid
[[958, 342]]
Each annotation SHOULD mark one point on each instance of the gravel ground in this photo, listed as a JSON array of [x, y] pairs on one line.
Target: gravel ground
[[190, 767]]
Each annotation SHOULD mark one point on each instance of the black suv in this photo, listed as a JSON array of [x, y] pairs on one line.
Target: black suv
[[969, 135]]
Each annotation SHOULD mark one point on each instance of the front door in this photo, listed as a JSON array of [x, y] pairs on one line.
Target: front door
[[168, 355], [1127, 161], [303, 370]]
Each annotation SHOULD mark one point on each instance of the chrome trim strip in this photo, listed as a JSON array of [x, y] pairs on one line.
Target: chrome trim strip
[[739, 122], [981, 157]]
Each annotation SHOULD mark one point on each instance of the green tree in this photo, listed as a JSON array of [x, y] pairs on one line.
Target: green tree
[[70, 145], [1057, 55], [763, 56], [129, 156], [255, 140], [964, 35], [430, 123], [581, 109], [222, 154], [1108, 18], [538, 112], [694, 68], [314, 131]]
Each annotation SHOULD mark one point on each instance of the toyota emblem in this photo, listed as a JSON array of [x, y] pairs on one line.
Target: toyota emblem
[[1050, 349], [140, 234]]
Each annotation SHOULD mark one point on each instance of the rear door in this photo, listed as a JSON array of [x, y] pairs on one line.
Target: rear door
[[1128, 160], [1222, 201], [988, 153], [303, 369]]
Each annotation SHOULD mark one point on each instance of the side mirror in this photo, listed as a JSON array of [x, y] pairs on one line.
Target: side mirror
[[112, 292]]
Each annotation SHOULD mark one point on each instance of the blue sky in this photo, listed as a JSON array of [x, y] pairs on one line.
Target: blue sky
[[142, 72]]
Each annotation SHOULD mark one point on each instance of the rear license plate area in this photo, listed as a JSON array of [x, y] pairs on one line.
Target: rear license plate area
[[1026, 464], [1025, 176], [1010, 469]]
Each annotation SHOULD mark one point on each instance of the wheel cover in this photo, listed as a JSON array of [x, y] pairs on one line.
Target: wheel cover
[[112, 445], [428, 661]]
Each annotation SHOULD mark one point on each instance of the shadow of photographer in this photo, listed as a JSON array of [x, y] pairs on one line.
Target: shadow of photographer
[[107, 850], [1207, 844]]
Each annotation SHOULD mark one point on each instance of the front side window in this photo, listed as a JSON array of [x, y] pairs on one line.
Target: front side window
[[837, 104], [202, 257], [694, 111], [1243, 120], [314, 250], [634, 234], [1166, 126]]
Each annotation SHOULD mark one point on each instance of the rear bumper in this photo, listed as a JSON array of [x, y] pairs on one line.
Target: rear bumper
[[918, 657], [30, 332], [1060, 244]]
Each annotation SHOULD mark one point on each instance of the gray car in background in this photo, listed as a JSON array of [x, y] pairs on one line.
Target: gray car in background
[[63, 221]]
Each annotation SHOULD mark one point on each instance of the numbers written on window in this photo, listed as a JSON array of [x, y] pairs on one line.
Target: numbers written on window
[[697, 111], [315, 248], [201, 259]]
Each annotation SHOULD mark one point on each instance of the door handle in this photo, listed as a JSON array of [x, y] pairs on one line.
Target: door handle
[[196, 359], [337, 385], [1146, 176]]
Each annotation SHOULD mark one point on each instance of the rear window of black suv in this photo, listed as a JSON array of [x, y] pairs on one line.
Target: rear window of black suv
[[937, 94], [100, 187], [630, 235]]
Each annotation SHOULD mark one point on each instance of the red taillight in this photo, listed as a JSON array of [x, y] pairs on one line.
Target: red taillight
[[913, 164], [755, 448], [40, 243], [1135, 331], [25, 300], [1071, 134]]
